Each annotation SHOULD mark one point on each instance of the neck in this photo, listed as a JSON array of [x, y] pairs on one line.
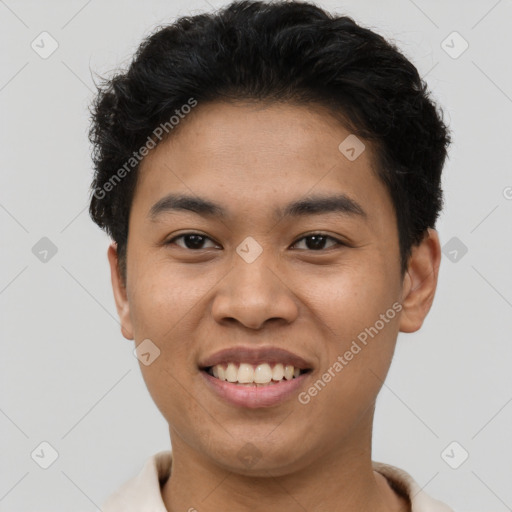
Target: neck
[[340, 479]]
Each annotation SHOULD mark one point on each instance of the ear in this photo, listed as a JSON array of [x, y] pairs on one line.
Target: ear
[[420, 282], [120, 295]]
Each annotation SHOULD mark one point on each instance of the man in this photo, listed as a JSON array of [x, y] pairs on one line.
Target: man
[[270, 177]]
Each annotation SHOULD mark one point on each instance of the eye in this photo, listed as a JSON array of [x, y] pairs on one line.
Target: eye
[[317, 241], [191, 240]]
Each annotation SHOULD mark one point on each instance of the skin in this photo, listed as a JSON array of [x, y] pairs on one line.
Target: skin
[[192, 302]]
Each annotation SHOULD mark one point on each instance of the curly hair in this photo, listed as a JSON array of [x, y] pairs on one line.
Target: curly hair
[[281, 51]]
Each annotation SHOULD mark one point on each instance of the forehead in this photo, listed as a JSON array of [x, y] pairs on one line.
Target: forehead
[[260, 154]]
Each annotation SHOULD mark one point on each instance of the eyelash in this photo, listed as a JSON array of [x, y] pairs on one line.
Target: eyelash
[[338, 242]]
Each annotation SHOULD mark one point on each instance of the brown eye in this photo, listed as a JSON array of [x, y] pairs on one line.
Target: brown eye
[[317, 241], [192, 241]]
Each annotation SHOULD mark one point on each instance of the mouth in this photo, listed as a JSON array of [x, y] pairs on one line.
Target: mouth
[[255, 375], [249, 377]]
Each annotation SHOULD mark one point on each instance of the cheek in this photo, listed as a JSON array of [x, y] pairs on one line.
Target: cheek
[[163, 297], [352, 299], [355, 365], [358, 313], [166, 306], [371, 314]]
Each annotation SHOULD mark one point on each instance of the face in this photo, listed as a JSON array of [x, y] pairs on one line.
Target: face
[[263, 285]]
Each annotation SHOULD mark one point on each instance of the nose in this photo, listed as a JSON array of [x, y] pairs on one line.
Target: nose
[[254, 293]]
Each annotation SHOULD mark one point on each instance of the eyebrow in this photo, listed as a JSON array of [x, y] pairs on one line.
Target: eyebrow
[[311, 205]]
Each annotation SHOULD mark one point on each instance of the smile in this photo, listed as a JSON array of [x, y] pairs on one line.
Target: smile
[[254, 375]]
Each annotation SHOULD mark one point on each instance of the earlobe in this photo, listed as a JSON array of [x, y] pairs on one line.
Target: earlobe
[[120, 295], [420, 282]]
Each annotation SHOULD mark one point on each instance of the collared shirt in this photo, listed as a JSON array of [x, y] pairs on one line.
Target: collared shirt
[[142, 493]]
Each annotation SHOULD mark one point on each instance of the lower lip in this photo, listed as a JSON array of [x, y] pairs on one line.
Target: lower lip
[[254, 396]]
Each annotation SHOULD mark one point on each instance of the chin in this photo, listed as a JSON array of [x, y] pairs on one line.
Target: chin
[[259, 456]]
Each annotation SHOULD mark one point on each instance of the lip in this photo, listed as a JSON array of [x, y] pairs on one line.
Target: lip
[[253, 397], [255, 355]]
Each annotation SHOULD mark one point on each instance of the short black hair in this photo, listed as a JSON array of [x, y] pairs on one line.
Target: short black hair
[[287, 51]]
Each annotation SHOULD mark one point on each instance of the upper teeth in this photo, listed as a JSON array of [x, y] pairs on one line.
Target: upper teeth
[[245, 373]]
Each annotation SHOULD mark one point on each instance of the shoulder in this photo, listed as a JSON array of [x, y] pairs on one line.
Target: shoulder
[[142, 492], [405, 485]]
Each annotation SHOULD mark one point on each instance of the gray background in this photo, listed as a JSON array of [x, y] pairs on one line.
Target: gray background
[[69, 378]]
